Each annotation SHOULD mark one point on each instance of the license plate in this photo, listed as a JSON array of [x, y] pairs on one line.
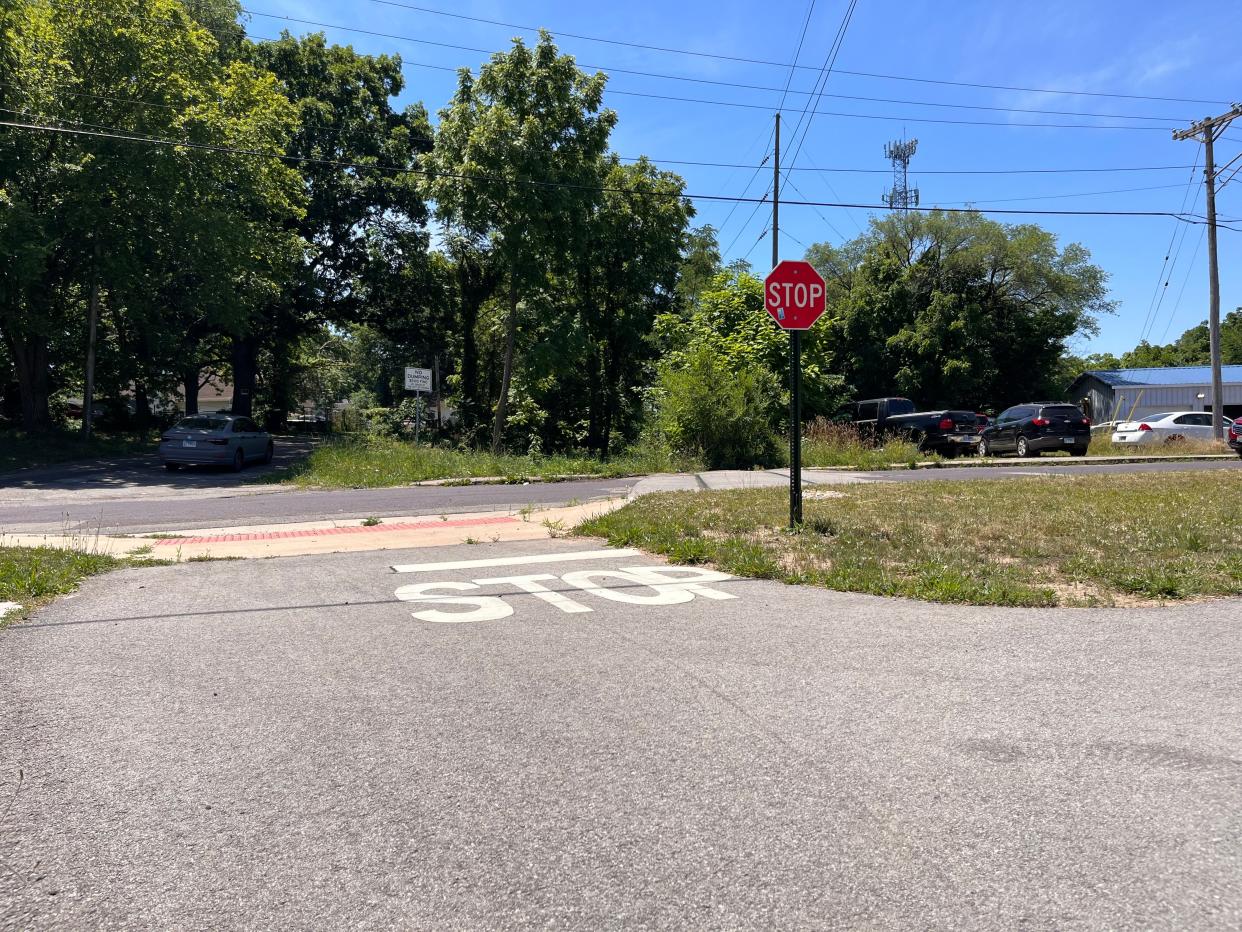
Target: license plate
[[964, 438], [189, 443], [1067, 439]]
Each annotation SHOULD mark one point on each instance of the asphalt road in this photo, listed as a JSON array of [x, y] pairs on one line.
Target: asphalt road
[[140, 497], [290, 744]]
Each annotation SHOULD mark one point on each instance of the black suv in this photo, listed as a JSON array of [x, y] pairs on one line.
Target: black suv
[[1030, 429]]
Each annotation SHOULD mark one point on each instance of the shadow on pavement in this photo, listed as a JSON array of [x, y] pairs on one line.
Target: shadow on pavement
[[145, 471]]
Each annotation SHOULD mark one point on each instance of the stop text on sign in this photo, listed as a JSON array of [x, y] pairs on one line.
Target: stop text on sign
[[795, 295]]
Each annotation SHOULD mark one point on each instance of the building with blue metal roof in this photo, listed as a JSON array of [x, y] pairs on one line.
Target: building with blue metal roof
[[1121, 394]]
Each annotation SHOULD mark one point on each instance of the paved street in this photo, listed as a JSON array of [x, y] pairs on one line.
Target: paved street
[[143, 498], [527, 735]]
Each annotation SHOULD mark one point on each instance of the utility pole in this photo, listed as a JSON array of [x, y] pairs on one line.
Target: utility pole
[[1208, 130]]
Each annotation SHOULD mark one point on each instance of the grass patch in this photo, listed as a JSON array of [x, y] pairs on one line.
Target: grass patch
[[19, 450], [1069, 541], [377, 462], [33, 576], [826, 444]]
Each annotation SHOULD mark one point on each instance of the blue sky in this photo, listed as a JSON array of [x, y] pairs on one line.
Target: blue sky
[[1142, 48]]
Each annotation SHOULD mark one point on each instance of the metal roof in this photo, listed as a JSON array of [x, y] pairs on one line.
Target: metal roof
[[1170, 375]]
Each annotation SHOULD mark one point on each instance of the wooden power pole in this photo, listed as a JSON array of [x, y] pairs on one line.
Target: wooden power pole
[[1208, 130]]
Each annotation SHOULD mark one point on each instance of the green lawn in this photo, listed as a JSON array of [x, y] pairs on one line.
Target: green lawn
[[1089, 540], [33, 576], [376, 463], [19, 450]]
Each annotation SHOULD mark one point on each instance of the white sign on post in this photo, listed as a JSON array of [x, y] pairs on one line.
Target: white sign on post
[[417, 380]]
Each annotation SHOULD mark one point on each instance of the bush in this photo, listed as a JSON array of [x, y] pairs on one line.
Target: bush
[[722, 415]]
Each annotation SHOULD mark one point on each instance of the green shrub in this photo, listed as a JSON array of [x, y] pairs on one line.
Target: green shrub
[[723, 415]]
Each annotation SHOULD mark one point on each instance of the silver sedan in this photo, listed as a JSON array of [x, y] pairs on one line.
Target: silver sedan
[[215, 440]]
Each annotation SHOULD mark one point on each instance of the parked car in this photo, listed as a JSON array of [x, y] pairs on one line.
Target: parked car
[[1234, 436], [215, 440], [1030, 429], [945, 432], [1170, 427]]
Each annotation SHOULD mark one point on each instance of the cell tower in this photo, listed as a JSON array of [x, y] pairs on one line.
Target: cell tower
[[902, 196]]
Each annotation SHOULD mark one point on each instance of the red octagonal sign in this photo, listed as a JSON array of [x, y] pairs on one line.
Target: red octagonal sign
[[794, 294]]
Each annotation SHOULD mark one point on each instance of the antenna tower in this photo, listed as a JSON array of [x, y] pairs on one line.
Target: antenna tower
[[902, 196]]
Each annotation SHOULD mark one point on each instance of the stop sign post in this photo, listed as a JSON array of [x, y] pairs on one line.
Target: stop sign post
[[795, 296]]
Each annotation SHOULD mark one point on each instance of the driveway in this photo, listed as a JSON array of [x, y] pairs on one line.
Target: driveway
[[541, 735]]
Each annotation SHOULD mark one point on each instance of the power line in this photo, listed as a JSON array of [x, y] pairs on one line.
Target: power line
[[797, 53], [795, 65], [701, 163], [895, 117], [175, 143], [1054, 197], [1149, 319], [821, 82], [1181, 293], [731, 84]]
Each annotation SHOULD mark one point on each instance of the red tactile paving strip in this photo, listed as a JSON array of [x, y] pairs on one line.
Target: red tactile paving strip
[[328, 531]]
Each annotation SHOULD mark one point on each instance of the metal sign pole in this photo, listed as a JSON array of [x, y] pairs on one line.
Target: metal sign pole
[[418, 415], [795, 428]]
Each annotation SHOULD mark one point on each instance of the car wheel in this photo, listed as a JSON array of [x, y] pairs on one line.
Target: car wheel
[[271, 451], [172, 467], [1024, 449], [985, 448], [239, 460], [1174, 440]]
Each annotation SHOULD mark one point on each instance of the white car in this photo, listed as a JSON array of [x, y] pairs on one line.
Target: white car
[[1171, 427]]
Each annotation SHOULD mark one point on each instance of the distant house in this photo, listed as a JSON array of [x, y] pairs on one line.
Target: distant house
[[1123, 393]]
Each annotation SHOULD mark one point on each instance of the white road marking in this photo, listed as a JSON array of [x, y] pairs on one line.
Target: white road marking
[[662, 585], [6, 607], [531, 584], [514, 561], [664, 595], [487, 608]]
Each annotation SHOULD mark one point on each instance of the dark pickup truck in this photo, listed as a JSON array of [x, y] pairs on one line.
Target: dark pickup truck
[[945, 432]]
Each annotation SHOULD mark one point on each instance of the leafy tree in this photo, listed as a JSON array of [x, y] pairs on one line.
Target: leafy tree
[[354, 217], [700, 263], [126, 226], [731, 322], [517, 159], [954, 309], [628, 276], [1192, 348]]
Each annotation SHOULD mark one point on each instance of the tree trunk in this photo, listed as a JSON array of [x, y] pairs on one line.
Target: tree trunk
[[88, 396], [502, 403], [30, 360], [595, 414], [469, 362], [142, 404], [244, 355], [189, 383]]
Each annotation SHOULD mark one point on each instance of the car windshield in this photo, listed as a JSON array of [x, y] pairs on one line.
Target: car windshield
[[202, 423], [900, 406], [1061, 411], [1156, 417]]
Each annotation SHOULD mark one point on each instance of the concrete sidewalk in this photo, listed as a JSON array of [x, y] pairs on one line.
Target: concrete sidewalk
[[316, 537]]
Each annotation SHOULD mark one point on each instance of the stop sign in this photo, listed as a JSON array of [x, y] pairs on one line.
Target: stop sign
[[794, 295]]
